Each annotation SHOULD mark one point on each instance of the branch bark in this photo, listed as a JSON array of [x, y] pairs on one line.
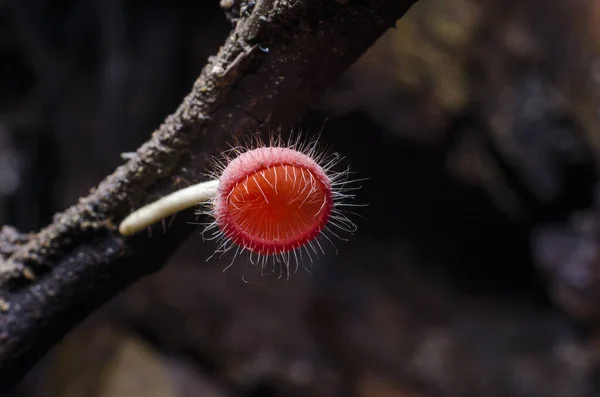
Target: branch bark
[[275, 63]]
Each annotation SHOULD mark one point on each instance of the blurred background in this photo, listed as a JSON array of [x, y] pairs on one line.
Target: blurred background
[[474, 272]]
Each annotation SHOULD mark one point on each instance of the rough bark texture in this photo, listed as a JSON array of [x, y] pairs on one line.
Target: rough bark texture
[[278, 60]]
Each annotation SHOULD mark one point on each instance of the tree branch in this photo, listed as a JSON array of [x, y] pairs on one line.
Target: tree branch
[[276, 62]]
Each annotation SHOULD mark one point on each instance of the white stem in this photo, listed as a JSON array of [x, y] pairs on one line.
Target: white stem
[[168, 205]]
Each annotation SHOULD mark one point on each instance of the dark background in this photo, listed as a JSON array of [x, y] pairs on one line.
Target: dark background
[[474, 271]]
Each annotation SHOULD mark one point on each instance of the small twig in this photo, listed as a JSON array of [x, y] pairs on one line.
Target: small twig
[[65, 271]]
